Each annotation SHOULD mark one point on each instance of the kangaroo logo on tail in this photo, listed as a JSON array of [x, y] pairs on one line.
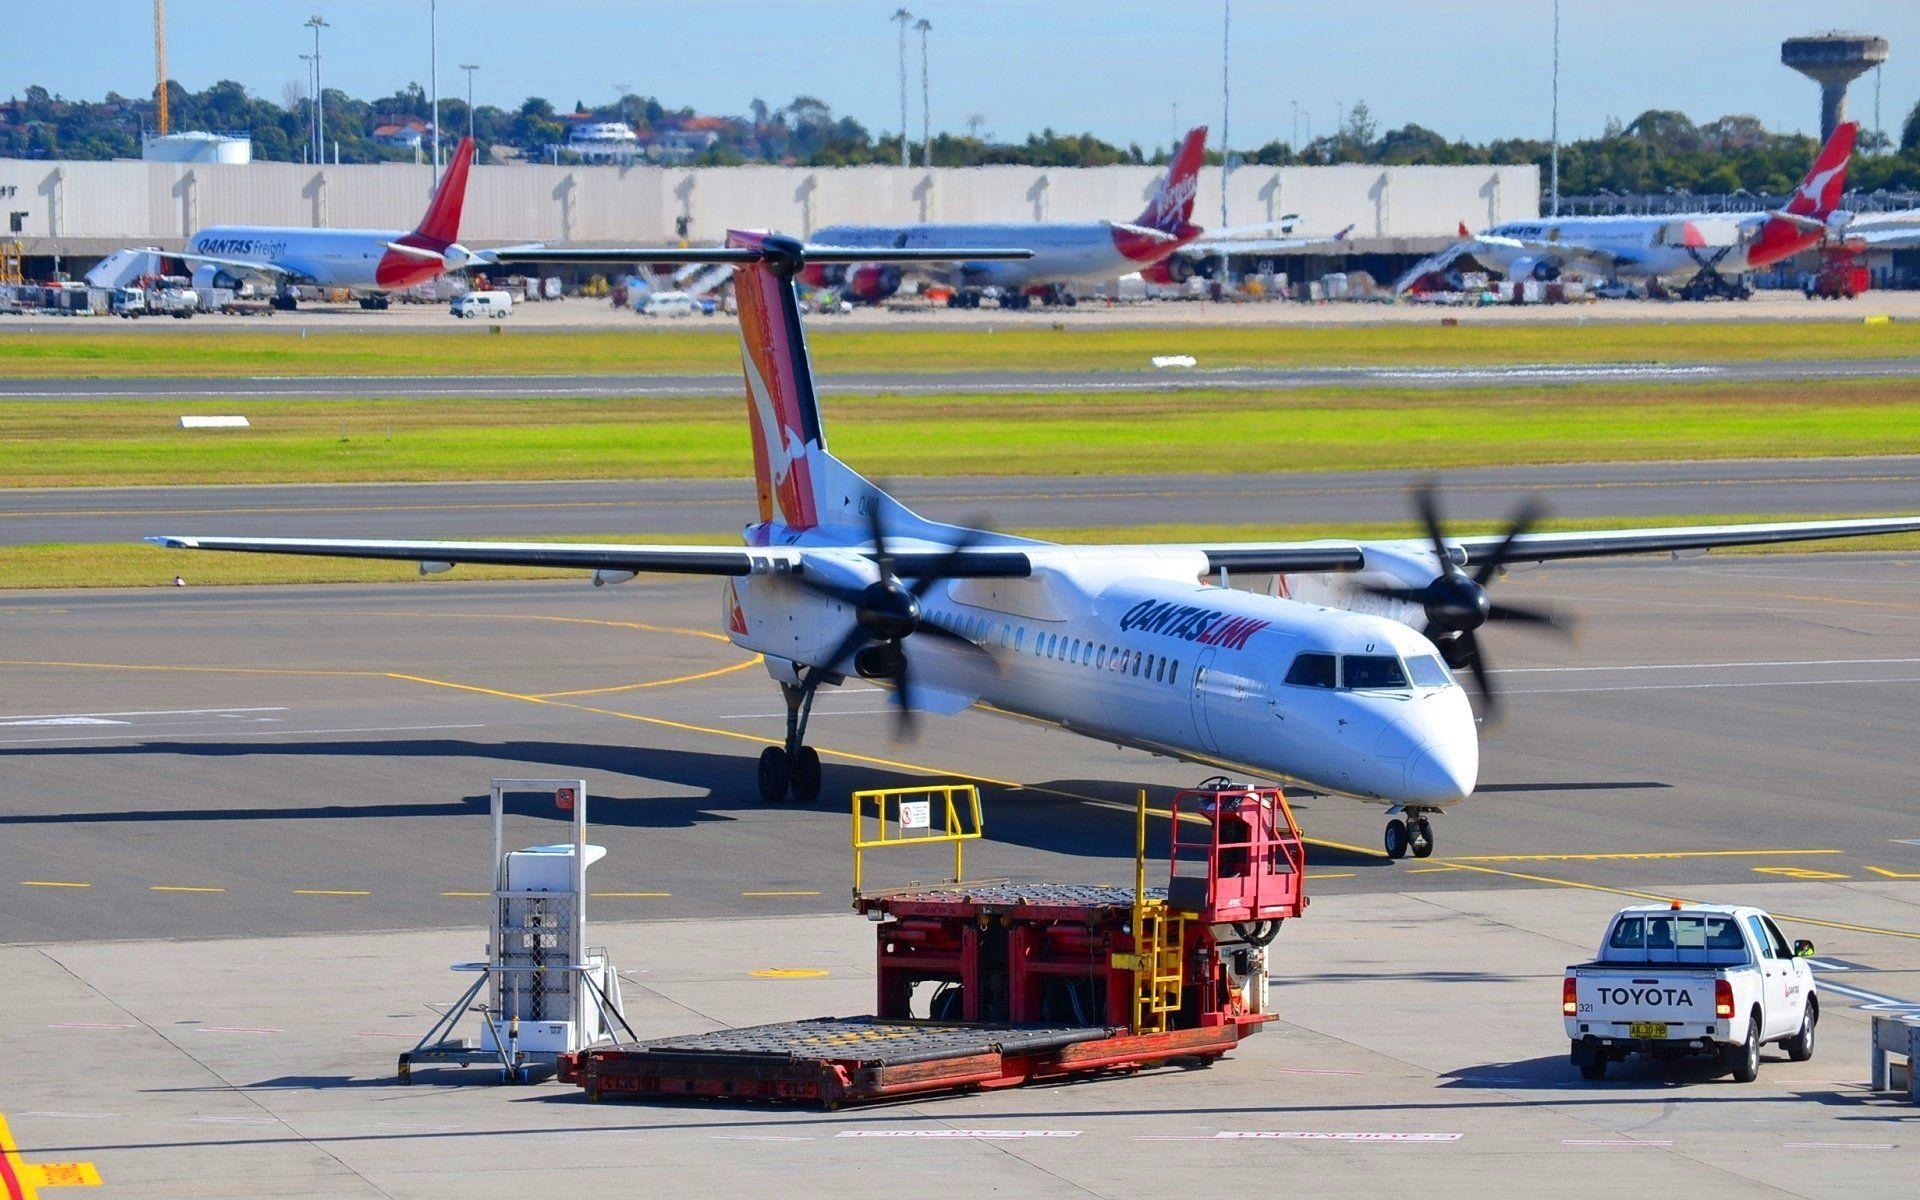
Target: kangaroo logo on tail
[[1819, 193]]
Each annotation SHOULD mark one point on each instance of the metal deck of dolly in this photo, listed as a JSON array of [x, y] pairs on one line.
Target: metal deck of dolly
[[998, 984]]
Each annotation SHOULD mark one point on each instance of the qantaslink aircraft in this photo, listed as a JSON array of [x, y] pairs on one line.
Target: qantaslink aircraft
[[1122, 643]]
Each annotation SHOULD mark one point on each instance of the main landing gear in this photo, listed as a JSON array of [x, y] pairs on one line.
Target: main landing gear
[[1411, 832], [794, 768]]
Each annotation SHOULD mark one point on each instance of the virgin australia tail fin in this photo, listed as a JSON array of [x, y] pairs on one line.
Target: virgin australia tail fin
[[1171, 209]]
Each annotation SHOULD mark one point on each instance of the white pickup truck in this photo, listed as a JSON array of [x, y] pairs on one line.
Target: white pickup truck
[[1694, 979]]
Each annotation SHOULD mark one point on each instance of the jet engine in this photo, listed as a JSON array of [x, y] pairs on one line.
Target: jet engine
[[870, 283], [206, 275]]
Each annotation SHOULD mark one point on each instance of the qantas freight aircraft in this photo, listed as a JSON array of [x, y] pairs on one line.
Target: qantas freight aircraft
[[368, 262], [1162, 243], [1697, 251], [1126, 644]]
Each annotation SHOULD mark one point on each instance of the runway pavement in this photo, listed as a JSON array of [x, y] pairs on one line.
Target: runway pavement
[[1532, 375], [637, 508]]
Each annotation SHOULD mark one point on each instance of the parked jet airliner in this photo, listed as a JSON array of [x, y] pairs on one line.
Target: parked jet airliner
[[1124, 644], [1697, 251], [1162, 242], [369, 262]]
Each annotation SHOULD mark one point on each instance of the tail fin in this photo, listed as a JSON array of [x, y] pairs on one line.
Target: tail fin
[[441, 225], [1463, 232], [1819, 193], [1171, 209], [788, 443]]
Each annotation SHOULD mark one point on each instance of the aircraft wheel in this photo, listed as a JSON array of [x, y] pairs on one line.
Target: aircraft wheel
[[806, 775], [774, 775], [1396, 838], [1421, 841]]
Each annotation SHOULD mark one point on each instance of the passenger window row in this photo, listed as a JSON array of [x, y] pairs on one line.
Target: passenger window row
[[1157, 668]]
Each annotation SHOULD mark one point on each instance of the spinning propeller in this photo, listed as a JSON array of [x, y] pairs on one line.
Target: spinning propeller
[[887, 612], [1457, 604]]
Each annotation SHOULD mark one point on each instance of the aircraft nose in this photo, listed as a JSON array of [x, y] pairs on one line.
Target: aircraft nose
[[1444, 771]]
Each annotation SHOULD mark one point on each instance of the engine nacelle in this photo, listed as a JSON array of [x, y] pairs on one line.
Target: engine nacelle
[[870, 283], [1839, 218], [206, 275]]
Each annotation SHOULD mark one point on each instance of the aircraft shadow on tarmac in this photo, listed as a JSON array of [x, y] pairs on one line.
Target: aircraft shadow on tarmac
[[1051, 816]]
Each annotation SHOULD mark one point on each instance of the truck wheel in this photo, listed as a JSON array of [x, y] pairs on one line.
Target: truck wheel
[[1799, 1047], [1743, 1059], [1596, 1069]]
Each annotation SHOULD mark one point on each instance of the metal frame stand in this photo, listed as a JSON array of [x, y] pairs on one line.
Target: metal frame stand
[[593, 1008]]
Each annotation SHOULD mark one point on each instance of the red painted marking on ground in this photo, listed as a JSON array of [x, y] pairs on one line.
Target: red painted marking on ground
[[985, 1134], [15, 1190], [377, 1033]]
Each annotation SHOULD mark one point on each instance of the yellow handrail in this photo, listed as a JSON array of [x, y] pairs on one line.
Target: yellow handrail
[[896, 814]]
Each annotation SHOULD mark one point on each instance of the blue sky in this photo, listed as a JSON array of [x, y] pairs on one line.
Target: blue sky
[[1477, 70]]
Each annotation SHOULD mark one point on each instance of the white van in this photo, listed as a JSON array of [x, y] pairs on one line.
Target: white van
[[483, 304], [666, 304]]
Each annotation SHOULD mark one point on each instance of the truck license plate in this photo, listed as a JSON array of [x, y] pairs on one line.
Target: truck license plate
[[1653, 1030]]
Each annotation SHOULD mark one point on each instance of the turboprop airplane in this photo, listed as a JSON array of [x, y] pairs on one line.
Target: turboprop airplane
[[1702, 253], [368, 262], [1124, 644]]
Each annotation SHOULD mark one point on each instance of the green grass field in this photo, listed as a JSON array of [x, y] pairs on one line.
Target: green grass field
[[1022, 345], [139, 442], [137, 565]]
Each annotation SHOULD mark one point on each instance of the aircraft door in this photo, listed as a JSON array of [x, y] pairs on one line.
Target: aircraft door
[[1202, 681]]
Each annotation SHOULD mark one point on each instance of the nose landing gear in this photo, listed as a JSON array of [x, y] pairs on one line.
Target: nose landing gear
[[1411, 833]]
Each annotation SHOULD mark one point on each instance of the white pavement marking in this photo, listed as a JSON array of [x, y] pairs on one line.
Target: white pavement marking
[[138, 735], [1870, 1001], [1315, 1136], [74, 1116], [235, 1029], [1716, 666], [88, 1025], [1695, 687], [150, 712], [1612, 1142], [64, 721], [1837, 1145]]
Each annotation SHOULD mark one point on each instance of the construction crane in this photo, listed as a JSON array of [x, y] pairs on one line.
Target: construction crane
[[161, 116]]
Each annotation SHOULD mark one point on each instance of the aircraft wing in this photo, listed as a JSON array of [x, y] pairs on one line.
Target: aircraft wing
[[982, 563], [273, 270], [1336, 555], [1239, 241], [1606, 543]]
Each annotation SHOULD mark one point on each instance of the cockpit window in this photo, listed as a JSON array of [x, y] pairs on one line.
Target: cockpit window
[[1312, 670], [1364, 672], [1427, 671]]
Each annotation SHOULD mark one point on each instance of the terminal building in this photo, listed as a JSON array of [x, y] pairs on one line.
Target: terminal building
[[67, 215]]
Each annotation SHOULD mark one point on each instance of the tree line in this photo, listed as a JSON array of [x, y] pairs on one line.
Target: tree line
[[1659, 151]]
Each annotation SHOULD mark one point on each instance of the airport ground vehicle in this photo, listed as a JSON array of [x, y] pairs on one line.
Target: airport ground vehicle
[[666, 304], [998, 984], [483, 304], [135, 302], [1691, 979]]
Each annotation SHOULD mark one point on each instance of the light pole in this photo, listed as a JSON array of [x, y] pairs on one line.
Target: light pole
[[926, 118], [469, 68], [313, 138], [1226, 118], [902, 16], [317, 22], [433, 80], [1553, 167], [1294, 143]]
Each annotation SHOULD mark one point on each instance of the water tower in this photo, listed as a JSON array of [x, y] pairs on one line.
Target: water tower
[[1833, 60]]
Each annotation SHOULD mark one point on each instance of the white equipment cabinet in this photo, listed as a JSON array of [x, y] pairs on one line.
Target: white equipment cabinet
[[548, 992]]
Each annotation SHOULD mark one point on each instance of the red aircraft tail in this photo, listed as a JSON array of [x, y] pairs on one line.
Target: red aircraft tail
[[1171, 209], [1819, 193], [441, 225], [1813, 202], [785, 416]]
